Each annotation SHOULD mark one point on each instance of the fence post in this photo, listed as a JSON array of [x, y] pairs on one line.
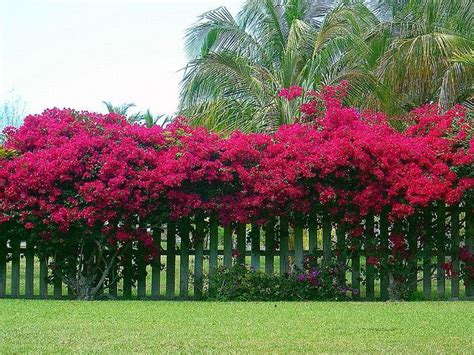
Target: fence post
[[15, 276], [384, 224], [355, 275], [156, 266], [413, 247], [141, 282], [341, 238], [368, 248], [112, 280], [269, 247], [313, 232], [241, 242], [43, 275], [427, 223], [455, 251], [213, 254], [29, 271], [213, 245], [255, 262], [3, 267], [326, 238], [284, 250], [299, 246], [184, 258], [142, 275], [72, 265], [127, 274], [57, 281], [441, 249], [228, 245], [199, 256], [170, 259], [470, 241]]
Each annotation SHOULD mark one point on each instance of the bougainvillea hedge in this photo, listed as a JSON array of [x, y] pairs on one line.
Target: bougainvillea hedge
[[89, 185]]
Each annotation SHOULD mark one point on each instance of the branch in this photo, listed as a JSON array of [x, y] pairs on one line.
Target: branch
[[106, 272]]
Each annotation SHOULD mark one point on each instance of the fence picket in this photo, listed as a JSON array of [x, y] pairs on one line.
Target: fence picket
[[184, 259], [43, 275], [326, 222], [384, 225], [57, 282], [127, 275], [440, 258], [57, 288], [170, 259], [213, 245], [341, 237], [313, 232], [29, 271], [71, 274], [284, 249], [3, 268], [199, 256], [156, 279], [141, 282], [299, 246], [469, 236], [156, 266], [241, 242], [455, 251], [15, 276], [255, 258], [427, 222], [437, 235], [269, 247], [369, 249], [112, 281], [412, 247], [355, 275], [228, 245]]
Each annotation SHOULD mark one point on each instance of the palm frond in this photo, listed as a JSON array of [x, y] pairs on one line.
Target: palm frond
[[216, 31], [121, 110], [395, 54]]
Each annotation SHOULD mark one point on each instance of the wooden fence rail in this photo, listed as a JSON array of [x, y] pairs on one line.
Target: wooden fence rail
[[276, 247]]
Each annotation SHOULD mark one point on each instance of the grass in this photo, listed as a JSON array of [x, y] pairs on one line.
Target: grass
[[140, 326]]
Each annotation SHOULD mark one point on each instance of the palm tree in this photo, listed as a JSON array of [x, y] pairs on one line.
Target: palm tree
[[122, 110], [237, 65], [419, 42], [465, 58], [147, 118]]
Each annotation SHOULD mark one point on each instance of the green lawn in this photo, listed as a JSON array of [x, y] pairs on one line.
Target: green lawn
[[164, 326]]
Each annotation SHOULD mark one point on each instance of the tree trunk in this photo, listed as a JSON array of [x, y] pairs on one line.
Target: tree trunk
[[394, 288], [88, 281], [85, 289]]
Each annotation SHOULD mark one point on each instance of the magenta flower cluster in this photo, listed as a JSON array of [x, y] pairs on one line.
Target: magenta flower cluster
[[102, 175]]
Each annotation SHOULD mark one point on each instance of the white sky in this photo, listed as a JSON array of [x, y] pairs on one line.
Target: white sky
[[77, 53]]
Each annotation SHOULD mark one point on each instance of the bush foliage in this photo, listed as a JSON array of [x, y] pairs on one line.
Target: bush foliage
[[88, 188], [241, 283]]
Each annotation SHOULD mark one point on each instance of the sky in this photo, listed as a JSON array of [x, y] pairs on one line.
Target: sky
[[78, 53]]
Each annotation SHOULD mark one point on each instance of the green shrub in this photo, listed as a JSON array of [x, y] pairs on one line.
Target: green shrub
[[241, 283]]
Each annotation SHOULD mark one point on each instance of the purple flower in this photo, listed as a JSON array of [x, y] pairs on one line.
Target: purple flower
[[301, 277]]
